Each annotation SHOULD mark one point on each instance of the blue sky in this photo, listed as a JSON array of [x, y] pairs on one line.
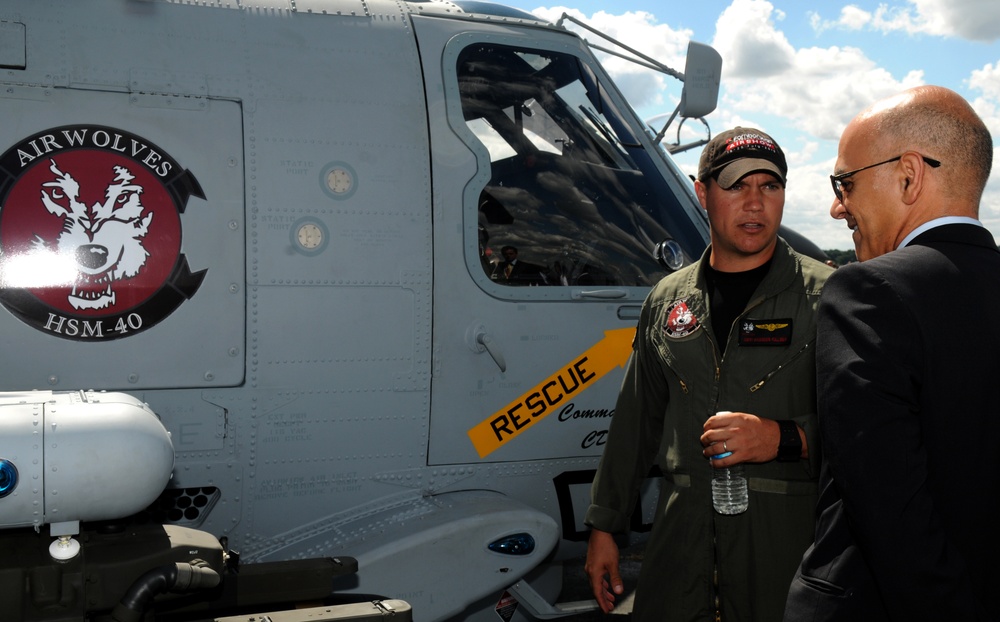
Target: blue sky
[[801, 70]]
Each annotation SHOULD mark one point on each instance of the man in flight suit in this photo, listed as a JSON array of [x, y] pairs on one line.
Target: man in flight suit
[[733, 332]]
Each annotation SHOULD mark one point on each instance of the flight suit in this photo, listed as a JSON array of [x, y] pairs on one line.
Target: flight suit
[[675, 380]]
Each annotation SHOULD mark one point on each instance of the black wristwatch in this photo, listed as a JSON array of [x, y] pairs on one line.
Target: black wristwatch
[[790, 445]]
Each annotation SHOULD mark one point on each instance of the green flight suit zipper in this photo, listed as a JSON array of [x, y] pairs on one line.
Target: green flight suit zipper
[[777, 369]]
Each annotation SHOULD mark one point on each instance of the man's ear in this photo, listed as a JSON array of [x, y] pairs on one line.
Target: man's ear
[[702, 191], [913, 167]]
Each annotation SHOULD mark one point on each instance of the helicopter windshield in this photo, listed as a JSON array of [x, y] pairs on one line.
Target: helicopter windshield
[[572, 191]]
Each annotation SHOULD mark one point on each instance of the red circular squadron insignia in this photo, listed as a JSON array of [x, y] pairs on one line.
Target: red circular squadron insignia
[[680, 321], [90, 233]]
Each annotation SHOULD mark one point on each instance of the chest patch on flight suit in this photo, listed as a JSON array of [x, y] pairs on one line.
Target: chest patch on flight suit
[[680, 321], [765, 332]]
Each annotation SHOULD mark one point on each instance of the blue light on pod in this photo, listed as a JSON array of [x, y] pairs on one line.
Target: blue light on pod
[[8, 477], [514, 544]]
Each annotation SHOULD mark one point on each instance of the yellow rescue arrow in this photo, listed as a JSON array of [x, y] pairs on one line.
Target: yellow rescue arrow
[[584, 370]]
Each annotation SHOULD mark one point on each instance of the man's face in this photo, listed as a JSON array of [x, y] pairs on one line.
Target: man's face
[[744, 220], [867, 206]]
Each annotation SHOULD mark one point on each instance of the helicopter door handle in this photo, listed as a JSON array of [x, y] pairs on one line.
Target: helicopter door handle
[[607, 294], [483, 342]]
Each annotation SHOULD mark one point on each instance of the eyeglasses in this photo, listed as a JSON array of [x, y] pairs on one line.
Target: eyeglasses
[[837, 180]]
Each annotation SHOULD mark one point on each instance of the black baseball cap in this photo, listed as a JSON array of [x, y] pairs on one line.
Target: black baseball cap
[[734, 154]]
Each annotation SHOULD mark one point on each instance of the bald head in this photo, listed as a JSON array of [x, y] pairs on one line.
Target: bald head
[[938, 123], [908, 160]]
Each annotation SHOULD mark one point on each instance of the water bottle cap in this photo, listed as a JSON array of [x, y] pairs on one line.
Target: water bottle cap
[[722, 455]]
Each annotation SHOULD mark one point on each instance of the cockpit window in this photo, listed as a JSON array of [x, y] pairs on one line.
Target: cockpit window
[[573, 198]]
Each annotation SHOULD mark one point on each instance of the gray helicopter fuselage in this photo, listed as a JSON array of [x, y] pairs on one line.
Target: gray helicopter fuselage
[[284, 227]]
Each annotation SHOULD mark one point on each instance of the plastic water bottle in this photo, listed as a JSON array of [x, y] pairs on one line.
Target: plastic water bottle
[[729, 486]]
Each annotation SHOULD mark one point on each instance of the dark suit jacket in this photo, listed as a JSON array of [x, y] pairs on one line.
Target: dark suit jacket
[[522, 273], [908, 372]]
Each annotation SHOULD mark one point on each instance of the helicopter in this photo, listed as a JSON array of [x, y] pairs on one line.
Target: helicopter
[[258, 323]]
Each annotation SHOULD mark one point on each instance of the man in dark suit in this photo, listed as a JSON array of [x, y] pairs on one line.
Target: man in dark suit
[[908, 372], [513, 271]]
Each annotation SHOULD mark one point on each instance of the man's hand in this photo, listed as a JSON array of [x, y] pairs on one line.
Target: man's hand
[[602, 567], [750, 438]]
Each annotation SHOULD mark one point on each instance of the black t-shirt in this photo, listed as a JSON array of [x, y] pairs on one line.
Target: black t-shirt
[[728, 295]]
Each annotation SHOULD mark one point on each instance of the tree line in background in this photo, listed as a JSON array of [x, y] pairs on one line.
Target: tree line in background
[[841, 257]]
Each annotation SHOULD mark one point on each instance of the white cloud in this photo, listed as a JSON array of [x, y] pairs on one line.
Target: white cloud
[[976, 20], [808, 198], [896, 18], [987, 80], [808, 195], [752, 52], [818, 89], [853, 18]]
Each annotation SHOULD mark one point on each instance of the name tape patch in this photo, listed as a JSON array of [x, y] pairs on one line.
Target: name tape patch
[[765, 332]]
